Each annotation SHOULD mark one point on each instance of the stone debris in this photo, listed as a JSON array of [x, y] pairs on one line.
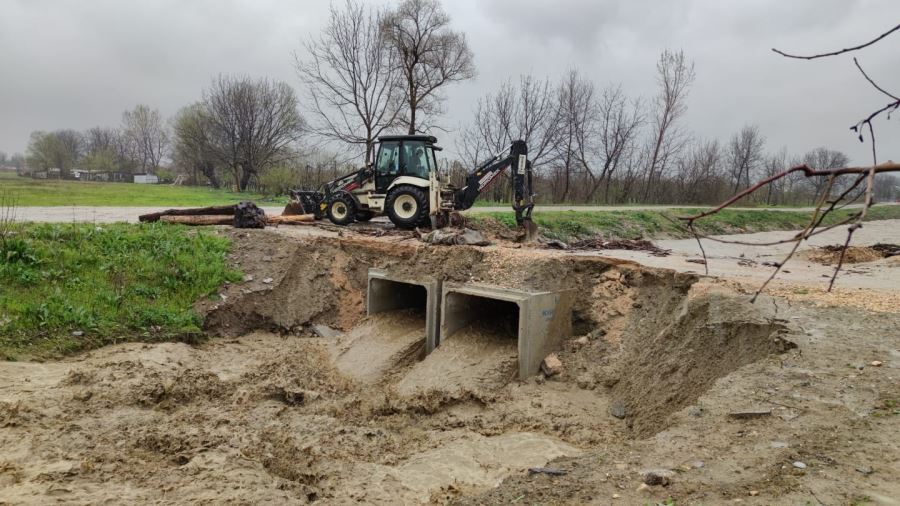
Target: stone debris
[[750, 414], [551, 366], [799, 465], [661, 477], [876, 363], [617, 409]]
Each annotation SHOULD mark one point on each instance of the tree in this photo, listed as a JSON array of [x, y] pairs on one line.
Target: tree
[[61, 150], [194, 146], [430, 55], [352, 77], [144, 130], [745, 155], [251, 124], [675, 76]]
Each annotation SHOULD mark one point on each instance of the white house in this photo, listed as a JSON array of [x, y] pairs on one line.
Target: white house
[[146, 178]]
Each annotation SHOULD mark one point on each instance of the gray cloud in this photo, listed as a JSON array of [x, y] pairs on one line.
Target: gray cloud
[[77, 64]]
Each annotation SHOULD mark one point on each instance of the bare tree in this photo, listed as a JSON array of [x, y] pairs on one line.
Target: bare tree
[[252, 124], [745, 155], [194, 146], [675, 76], [352, 77], [619, 120], [144, 129], [430, 56]]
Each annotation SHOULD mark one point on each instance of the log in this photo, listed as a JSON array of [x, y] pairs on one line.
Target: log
[[199, 220], [196, 211], [290, 219]]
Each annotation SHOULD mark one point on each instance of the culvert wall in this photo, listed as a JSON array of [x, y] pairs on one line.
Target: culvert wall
[[542, 319], [387, 292]]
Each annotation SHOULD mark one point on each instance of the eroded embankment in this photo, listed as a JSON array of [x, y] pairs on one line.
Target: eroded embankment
[[658, 339], [363, 416]]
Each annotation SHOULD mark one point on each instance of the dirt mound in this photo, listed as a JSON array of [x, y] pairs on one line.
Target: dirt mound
[[831, 255], [711, 334]]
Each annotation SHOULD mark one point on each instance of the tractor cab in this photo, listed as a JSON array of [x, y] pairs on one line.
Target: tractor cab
[[404, 155]]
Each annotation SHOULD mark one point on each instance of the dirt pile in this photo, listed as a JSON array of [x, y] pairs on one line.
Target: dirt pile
[[831, 255]]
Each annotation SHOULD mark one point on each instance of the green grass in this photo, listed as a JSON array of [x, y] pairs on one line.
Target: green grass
[[71, 287], [43, 192], [572, 225]]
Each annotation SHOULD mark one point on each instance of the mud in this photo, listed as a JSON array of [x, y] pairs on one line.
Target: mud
[[265, 412]]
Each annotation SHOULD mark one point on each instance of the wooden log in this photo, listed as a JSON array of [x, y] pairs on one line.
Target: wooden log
[[196, 211], [199, 220], [290, 220]]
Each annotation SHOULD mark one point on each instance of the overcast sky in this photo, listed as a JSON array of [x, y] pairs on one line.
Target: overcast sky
[[80, 63]]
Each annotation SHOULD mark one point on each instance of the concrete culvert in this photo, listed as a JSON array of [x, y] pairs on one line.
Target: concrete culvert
[[535, 322]]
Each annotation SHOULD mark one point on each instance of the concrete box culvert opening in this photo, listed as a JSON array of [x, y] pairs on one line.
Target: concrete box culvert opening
[[389, 293], [536, 321]]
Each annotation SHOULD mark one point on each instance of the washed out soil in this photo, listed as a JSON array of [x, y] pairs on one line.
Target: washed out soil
[[660, 373]]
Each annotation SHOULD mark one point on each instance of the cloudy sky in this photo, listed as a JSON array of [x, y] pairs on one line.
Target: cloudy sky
[[80, 63]]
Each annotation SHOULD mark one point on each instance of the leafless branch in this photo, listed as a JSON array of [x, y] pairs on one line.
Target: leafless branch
[[842, 51]]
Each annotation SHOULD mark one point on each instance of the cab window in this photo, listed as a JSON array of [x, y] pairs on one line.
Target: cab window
[[416, 161], [388, 159]]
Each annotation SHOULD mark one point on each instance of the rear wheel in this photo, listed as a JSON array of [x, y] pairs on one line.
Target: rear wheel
[[364, 215], [341, 209], [407, 206]]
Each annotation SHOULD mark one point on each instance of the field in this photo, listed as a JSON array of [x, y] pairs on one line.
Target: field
[[37, 192]]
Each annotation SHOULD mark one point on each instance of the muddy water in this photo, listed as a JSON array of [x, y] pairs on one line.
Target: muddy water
[[477, 358], [380, 344]]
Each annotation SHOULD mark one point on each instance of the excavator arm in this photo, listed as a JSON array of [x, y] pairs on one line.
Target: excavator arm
[[482, 177]]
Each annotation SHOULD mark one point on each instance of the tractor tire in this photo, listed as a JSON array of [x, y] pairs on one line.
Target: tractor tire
[[363, 215], [407, 206], [341, 209]]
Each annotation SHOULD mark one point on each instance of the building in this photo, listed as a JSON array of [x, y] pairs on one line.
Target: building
[[144, 178]]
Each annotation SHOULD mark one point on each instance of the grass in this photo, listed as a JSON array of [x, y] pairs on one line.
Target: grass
[[71, 287], [572, 225], [44, 192]]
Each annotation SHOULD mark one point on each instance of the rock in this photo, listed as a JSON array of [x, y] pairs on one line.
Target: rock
[[551, 366], [77, 333], [325, 331], [616, 496], [749, 414], [617, 409], [697, 464], [799, 465], [754, 493], [643, 487], [866, 470], [248, 277], [660, 476], [876, 363], [581, 341], [268, 281]]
